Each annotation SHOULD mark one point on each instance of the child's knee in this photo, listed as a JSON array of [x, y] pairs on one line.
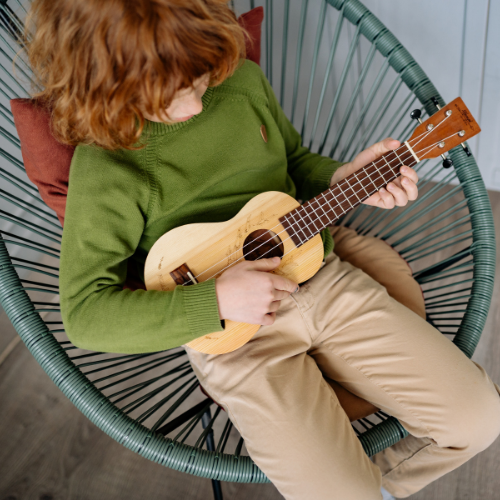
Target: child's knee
[[477, 424], [486, 429]]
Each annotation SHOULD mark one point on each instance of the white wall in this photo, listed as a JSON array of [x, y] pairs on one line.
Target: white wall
[[457, 43]]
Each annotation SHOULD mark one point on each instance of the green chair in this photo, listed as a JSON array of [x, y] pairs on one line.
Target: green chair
[[345, 82]]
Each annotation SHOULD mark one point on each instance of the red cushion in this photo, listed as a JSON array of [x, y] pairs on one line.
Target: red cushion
[[252, 22], [47, 161]]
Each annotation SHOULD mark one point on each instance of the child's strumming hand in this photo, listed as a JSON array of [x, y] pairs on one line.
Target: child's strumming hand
[[249, 293], [398, 192]]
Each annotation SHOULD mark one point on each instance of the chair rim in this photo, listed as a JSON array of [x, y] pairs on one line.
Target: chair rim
[[153, 446]]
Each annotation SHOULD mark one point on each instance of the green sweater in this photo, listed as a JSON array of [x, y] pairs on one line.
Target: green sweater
[[202, 170]]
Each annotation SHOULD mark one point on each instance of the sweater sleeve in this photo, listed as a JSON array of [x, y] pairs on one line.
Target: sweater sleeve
[[310, 172], [106, 210]]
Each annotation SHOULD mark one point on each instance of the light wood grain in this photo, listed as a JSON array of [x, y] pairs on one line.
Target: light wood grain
[[209, 249]]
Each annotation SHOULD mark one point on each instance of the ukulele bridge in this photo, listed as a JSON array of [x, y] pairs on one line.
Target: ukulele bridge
[[183, 275]]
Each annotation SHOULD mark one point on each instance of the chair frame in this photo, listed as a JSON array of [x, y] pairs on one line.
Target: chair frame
[[213, 463]]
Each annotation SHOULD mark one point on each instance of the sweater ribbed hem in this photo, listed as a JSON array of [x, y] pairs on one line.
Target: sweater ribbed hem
[[202, 310], [159, 128]]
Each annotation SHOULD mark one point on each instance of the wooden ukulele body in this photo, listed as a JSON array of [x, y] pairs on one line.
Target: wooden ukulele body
[[209, 249]]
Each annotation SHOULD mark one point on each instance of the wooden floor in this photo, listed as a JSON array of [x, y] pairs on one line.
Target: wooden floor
[[50, 451]]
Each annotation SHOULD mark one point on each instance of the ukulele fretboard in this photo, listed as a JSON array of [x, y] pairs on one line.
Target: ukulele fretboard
[[313, 216]]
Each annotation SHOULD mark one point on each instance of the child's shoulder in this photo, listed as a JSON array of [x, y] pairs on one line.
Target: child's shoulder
[[248, 78], [93, 154], [91, 160]]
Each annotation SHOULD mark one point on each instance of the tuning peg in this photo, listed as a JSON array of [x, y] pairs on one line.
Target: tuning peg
[[416, 114], [435, 102], [466, 149], [447, 163]]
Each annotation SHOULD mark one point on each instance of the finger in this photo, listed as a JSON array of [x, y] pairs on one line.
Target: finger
[[264, 264], [410, 173], [386, 199], [280, 294], [268, 319], [274, 306], [410, 187], [374, 200], [382, 147], [282, 283], [374, 151], [400, 196]]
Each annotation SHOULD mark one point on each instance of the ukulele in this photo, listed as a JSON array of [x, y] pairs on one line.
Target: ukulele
[[275, 224]]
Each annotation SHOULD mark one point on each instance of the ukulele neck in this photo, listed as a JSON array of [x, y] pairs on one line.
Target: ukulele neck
[[306, 221]]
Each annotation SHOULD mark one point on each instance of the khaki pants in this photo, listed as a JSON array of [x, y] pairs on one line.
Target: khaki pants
[[343, 326]]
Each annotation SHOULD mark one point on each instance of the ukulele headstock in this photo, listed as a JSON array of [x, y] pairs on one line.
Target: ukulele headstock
[[444, 130]]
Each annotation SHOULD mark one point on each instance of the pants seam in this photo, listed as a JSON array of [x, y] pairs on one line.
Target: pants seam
[[303, 318], [388, 393], [405, 460]]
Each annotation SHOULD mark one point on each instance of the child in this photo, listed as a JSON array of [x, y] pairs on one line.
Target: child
[[168, 118]]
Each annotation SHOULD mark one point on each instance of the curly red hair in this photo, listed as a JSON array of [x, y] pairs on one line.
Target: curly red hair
[[101, 64]]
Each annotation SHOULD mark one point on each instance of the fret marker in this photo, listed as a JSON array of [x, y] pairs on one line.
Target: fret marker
[[412, 152]]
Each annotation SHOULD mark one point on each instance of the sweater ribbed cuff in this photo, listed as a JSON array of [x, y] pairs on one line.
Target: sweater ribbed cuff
[[202, 310], [320, 179]]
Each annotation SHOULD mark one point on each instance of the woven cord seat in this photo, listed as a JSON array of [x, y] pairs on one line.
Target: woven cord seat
[[345, 82]]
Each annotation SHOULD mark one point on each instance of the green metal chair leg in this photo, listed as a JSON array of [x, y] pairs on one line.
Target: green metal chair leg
[[216, 486]]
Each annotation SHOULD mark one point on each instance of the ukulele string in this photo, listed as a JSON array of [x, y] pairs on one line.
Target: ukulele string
[[426, 133], [263, 255], [347, 198], [374, 163], [318, 219], [432, 146], [367, 196], [284, 230], [433, 129], [282, 241]]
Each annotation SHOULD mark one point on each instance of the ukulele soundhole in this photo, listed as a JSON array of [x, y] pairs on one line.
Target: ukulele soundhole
[[262, 244]]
